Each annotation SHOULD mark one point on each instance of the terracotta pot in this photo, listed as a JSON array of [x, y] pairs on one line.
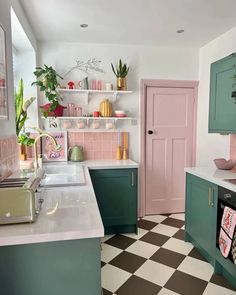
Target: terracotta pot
[[121, 84], [58, 112]]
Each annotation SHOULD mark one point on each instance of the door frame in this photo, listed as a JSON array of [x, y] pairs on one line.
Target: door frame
[[145, 83]]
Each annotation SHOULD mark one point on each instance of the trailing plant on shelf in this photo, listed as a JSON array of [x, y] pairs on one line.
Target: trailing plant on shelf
[[121, 71], [21, 107], [47, 80]]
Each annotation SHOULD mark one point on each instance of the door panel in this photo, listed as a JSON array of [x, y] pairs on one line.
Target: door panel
[[169, 149], [222, 111]]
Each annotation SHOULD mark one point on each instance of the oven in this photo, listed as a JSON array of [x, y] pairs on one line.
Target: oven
[[227, 198]]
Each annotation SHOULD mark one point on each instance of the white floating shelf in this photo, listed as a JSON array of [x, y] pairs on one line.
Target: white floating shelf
[[94, 91], [88, 92], [89, 118]]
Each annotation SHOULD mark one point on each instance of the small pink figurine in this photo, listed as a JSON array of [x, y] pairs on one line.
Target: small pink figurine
[[71, 84]]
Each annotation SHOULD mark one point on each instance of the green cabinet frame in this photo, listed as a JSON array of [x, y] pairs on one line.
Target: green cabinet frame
[[116, 193], [222, 109]]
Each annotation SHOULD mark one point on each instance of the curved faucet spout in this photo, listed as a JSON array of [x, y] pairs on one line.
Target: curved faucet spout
[[36, 164]]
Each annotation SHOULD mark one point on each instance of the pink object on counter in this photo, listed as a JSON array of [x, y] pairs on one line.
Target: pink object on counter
[[223, 164]]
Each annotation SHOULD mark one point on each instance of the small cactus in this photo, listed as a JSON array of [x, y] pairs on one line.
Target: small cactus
[[121, 70]]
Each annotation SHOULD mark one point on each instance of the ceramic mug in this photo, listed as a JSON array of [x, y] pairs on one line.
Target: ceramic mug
[[83, 84], [109, 86]]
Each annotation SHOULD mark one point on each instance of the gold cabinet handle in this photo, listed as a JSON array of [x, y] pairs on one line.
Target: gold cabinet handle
[[209, 196], [132, 179]]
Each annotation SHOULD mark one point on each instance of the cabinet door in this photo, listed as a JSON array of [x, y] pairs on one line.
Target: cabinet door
[[116, 193], [222, 111], [201, 210]]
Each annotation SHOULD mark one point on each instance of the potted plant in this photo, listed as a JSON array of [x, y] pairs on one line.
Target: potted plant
[[21, 107], [46, 79], [121, 72]]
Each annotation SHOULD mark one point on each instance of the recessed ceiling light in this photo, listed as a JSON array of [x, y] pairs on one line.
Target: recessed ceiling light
[[180, 31], [84, 25]]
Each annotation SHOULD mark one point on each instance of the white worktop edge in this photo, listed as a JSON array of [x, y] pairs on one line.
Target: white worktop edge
[[214, 175]]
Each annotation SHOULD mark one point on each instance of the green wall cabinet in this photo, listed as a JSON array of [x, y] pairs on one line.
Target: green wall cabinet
[[116, 193], [222, 109], [201, 214]]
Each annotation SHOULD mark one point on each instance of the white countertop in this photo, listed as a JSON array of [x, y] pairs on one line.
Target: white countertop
[[110, 164], [214, 175], [67, 213]]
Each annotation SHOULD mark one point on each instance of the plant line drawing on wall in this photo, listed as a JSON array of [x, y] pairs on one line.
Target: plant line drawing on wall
[[91, 65]]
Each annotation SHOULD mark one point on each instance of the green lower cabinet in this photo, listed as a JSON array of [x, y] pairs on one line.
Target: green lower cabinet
[[54, 268], [201, 214], [201, 224], [116, 193]]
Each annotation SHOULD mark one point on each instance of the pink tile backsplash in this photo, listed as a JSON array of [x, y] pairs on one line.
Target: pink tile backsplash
[[96, 145], [9, 154], [233, 147]]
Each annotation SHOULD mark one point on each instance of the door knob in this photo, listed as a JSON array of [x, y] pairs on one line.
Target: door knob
[[150, 132]]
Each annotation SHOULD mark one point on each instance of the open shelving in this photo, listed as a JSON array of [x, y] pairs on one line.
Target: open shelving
[[88, 120], [89, 92]]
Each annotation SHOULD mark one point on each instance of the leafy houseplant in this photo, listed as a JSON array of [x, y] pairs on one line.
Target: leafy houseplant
[[46, 79], [21, 107], [121, 72]]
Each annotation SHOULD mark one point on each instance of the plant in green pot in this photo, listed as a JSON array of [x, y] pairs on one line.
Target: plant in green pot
[[47, 80], [21, 107], [121, 71]]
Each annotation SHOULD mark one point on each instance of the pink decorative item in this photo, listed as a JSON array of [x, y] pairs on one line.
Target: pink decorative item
[[78, 112], [52, 153], [94, 85], [71, 109], [2, 83], [96, 114], [223, 164], [71, 84], [120, 113], [58, 112], [99, 85]]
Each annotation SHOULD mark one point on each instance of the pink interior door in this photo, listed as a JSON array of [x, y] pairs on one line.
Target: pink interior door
[[170, 113]]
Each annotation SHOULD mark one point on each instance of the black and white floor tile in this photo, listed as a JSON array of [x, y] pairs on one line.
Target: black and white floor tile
[[158, 261]]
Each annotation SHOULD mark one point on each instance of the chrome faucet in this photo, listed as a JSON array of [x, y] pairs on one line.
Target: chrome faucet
[[36, 164]]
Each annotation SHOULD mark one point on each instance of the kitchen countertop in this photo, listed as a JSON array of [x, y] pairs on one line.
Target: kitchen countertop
[[214, 175], [67, 213]]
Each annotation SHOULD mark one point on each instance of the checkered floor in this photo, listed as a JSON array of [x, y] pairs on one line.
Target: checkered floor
[[158, 261]]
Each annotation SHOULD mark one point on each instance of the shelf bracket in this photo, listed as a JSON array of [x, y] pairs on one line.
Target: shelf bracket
[[87, 97], [115, 95]]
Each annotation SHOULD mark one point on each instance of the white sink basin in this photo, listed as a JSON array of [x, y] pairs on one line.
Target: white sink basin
[[61, 169], [63, 175]]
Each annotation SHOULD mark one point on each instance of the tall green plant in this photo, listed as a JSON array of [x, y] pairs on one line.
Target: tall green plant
[[46, 79], [121, 70], [21, 107]]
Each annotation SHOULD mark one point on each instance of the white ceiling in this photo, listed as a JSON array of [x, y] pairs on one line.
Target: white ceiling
[[147, 22]]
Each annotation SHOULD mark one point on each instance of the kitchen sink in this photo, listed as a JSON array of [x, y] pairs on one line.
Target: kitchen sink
[[63, 175]]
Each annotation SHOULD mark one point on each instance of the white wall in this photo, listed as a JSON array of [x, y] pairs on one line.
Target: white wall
[[24, 66], [8, 126], [144, 62], [211, 146]]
